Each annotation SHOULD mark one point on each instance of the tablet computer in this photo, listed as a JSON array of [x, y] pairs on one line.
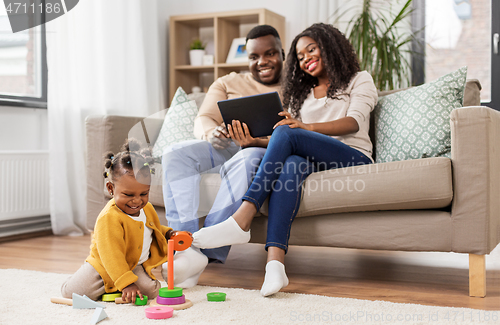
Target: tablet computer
[[258, 112]]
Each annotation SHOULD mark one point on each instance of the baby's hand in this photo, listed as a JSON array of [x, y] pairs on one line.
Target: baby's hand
[[172, 233], [129, 293]]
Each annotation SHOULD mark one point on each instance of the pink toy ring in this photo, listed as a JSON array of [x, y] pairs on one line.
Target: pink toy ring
[[159, 312], [171, 301]]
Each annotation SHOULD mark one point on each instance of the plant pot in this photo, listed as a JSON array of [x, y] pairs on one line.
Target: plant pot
[[196, 57]]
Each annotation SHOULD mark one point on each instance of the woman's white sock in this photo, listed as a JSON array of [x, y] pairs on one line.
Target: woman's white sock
[[275, 279], [228, 232], [188, 266]]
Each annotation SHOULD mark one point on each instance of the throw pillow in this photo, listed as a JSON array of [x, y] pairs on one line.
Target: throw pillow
[[178, 123], [415, 123]]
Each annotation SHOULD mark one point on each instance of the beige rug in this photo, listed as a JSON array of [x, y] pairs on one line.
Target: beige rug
[[25, 299]]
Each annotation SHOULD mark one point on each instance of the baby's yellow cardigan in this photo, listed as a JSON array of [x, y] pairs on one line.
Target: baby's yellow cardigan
[[117, 246]]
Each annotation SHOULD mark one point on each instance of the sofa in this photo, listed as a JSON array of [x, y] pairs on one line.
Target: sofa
[[431, 204]]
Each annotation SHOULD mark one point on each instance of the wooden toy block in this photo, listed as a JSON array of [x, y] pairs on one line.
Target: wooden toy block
[[120, 300], [64, 301], [98, 316], [83, 302]]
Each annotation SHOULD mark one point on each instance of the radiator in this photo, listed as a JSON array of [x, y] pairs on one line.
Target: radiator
[[24, 192]]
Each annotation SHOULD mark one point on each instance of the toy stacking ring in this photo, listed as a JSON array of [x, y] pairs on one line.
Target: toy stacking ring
[[141, 302], [165, 292], [216, 296], [182, 240], [159, 312], [110, 296], [171, 301]]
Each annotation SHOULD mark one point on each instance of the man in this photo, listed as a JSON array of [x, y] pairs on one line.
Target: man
[[183, 163]]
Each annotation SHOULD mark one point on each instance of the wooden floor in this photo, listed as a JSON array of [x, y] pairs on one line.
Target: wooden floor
[[439, 279]]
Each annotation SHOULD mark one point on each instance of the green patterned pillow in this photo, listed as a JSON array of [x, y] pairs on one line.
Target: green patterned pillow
[[178, 124], [415, 123]]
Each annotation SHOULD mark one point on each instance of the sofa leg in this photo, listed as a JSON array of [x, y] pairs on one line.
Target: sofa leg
[[477, 275]]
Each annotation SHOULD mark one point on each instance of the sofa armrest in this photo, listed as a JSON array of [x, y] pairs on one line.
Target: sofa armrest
[[108, 133], [475, 142]]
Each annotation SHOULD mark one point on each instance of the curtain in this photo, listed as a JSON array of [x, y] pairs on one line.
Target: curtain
[[103, 58], [319, 11]]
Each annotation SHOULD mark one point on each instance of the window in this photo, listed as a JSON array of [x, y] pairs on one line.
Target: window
[[23, 67], [460, 33]]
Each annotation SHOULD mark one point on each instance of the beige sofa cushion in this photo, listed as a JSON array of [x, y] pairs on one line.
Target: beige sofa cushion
[[400, 185]]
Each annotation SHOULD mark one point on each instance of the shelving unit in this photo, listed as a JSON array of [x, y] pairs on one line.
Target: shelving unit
[[219, 30]]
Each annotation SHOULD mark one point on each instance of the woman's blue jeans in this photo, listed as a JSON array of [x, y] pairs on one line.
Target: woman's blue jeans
[[291, 156]]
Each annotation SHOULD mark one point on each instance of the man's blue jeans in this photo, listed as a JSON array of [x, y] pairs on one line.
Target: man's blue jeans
[[291, 156], [184, 163]]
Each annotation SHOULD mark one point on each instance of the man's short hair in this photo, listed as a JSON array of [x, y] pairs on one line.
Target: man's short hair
[[262, 30]]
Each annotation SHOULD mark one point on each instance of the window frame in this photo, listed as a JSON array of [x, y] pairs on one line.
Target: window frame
[[418, 59], [31, 101]]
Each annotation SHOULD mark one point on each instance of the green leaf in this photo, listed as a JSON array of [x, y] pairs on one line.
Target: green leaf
[[381, 46]]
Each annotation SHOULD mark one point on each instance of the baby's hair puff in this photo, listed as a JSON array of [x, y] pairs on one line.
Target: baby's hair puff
[[132, 159]]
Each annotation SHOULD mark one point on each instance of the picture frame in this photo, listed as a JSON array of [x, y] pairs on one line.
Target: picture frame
[[237, 52]]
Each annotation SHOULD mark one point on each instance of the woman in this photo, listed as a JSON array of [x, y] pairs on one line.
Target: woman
[[329, 103]]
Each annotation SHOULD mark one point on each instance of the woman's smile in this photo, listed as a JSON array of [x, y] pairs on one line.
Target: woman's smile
[[311, 65]]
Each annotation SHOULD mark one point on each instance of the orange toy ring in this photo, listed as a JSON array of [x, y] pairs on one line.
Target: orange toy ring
[[182, 240]]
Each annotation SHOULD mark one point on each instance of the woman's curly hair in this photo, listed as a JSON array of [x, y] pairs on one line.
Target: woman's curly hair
[[131, 159], [339, 59]]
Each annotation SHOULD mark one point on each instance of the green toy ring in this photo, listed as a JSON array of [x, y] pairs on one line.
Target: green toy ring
[[110, 297], [139, 302], [216, 296], [166, 293]]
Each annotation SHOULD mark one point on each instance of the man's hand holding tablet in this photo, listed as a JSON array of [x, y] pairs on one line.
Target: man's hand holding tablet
[[251, 115]]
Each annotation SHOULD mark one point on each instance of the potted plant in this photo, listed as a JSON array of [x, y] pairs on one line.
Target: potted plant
[[381, 47], [196, 52]]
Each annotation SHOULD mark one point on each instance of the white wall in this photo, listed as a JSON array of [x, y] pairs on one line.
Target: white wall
[[23, 129], [26, 129], [299, 14]]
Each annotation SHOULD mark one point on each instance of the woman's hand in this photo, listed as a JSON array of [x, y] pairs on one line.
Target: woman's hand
[[291, 122], [240, 134], [130, 292]]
